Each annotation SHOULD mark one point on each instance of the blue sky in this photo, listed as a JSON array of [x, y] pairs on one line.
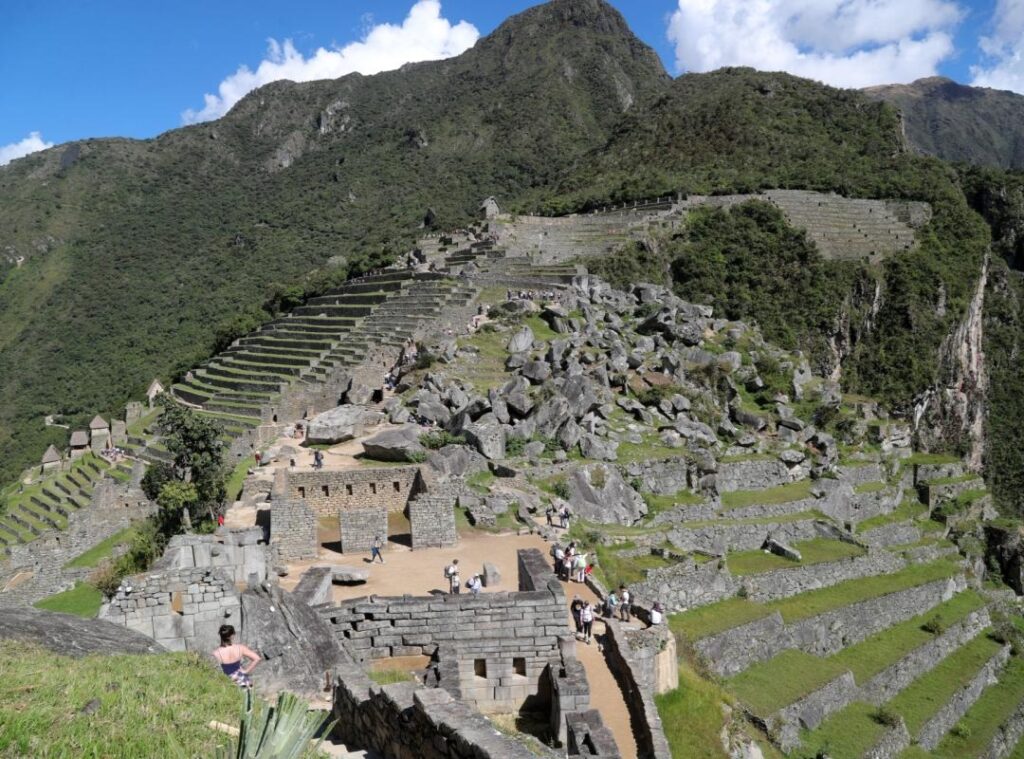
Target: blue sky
[[86, 68]]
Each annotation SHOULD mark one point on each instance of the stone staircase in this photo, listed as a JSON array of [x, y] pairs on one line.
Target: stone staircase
[[46, 504]]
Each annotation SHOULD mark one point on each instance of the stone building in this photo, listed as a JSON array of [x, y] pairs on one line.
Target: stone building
[[51, 460], [79, 443], [154, 389], [99, 434]]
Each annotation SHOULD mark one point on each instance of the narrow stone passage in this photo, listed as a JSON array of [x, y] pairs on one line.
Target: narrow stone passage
[[605, 693]]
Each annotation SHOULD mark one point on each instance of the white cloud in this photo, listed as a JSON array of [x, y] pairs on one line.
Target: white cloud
[[1002, 65], [424, 35], [30, 144], [846, 43]]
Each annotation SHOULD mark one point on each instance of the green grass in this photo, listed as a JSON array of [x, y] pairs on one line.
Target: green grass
[[389, 676], [870, 487], [903, 512], [799, 517], [692, 716], [540, 328], [926, 695], [614, 570], [83, 600], [816, 551], [157, 705], [658, 503], [101, 550], [236, 481], [792, 491], [714, 618], [930, 458], [768, 686], [481, 481], [847, 734], [969, 477], [996, 704]]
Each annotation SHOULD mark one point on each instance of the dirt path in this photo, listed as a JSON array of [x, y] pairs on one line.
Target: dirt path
[[605, 693]]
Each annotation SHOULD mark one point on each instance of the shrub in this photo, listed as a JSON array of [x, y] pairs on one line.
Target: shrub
[[424, 360], [561, 489], [962, 730], [598, 477], [439, 439], [514, 446], [934, 626], [886, 717], [416, 457]]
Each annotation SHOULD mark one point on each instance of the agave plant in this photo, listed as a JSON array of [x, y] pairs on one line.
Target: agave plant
[[283, 732]]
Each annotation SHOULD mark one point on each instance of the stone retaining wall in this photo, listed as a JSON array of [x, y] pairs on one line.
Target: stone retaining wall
[[242, 555], [644, 664], [1007, 736], [754, 474], [686, 585], [783, 583], [811, 710], [732, 651], [721, 537], [898, 533], [941, 723]]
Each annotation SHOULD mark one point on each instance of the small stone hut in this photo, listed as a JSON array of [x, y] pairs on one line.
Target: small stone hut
[[99, 434], [51, 459], [79, 443]]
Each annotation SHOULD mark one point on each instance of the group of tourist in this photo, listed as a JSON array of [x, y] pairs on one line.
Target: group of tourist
[[563, 515], [452, 574], [545, 295]]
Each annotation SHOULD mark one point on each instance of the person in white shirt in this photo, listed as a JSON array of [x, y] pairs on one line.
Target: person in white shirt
[[657, 614]]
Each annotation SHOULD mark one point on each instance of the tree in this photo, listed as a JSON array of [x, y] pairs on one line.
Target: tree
[[174, 498], [195, 443]]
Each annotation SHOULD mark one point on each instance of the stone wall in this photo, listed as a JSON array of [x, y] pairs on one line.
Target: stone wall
[[942, 722], [327, 492], [180, 608], [242, 555], [360, 527], [404, 721], [1007, 736], [685, 585], [293, 530], [717, 538], [732, 651], [782, 583], [432, 521], [666, 477], [753, 474], [899, 533], [644, 664], [113, 507], [811, 710]]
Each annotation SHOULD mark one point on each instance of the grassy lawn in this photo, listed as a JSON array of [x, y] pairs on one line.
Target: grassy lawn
[[870, 487], [903, 512], [145, 705], [389, 676], [926, 695], [83, 600], [930, 458], [816, 551], [614, 570], [988, 713], [847, 734], [692, 716], [481, 481], [969, 477], [102, 550], [237, 478], [768, 686], [714, 618], [792, 491], [659, 503], [817, 602]]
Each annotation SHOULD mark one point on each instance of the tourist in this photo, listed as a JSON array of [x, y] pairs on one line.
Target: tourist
[[587, 620], [451, 573], [624, 603], [559, 555], [474, 585], [229, 655], [576, 607], [564, 515], [375, 549], [657, 614], [318, 459], [610, 602], [550, 514], [579, 565]]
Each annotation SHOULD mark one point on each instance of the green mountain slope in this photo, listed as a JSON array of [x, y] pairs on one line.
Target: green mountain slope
[[135, 251], [975, 125]]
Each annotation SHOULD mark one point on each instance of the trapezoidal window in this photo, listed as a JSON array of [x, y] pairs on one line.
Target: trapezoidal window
[[519, 666], [348, 490], [302, 492], [326, 489], [373, 488], [397, 486], [480, 668]]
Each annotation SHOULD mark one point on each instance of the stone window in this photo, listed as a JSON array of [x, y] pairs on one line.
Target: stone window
[[373, 488], [326, 490], [480, 668], [302, 492], [519, 666], [397, 486], [348, 490]]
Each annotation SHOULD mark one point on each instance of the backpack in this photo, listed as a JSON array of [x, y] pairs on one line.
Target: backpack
[[449, 571]]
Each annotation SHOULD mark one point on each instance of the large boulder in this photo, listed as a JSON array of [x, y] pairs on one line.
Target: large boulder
[[396, 444], [521, 341], [488, 436], [456, 461], [72, 636], [341, 424], [599, 494]]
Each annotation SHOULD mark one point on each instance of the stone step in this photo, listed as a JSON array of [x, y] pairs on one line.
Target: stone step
[[40, 516], [234, 409], [264, 355], [312, 345], [235, 365], [249, 384], [264, 373], [334, 309]]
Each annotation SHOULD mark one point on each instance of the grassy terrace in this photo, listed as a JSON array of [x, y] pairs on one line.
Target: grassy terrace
[[905, 511], [101, 550], [147, 705], [816, 551], [969, 477], [659, 503], [792, 491], [984, 718], [847, 734], [926, 695], [83, 600], [870, 487], [715, 618], [614, 570], [930, 458], [769, 686], [692, 716], [236, 480]]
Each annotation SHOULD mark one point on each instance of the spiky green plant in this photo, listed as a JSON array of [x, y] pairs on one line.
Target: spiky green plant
[[283, 732]]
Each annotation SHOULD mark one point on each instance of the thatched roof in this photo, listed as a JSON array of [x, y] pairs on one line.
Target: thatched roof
[[79, 439], [98, 423], [52, 455]]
